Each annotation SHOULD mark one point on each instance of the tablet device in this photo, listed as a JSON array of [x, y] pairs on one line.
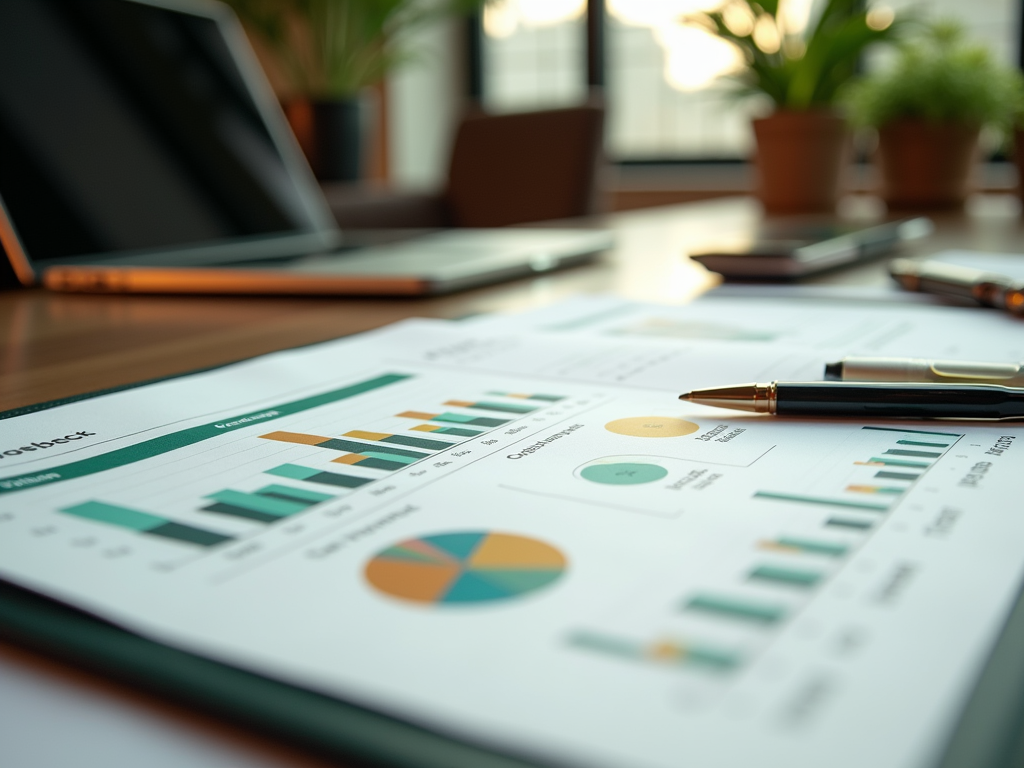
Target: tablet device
[[791, 249]]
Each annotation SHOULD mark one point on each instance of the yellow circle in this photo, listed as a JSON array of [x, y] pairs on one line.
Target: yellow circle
[[651, 426]]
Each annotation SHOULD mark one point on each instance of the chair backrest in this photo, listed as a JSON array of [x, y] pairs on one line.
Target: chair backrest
[[530, 166]]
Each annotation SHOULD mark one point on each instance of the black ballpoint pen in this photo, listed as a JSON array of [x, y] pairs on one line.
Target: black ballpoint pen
[[864, 399]]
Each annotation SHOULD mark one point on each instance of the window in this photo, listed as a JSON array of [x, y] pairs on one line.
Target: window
[[664, 99]]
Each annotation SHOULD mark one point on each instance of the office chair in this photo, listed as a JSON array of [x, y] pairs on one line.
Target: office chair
[[504, 169]]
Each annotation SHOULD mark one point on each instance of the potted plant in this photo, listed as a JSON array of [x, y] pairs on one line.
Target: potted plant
[[801, 72], [929, 109], [326, 53]]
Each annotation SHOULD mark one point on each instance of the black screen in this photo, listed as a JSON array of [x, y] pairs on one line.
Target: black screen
[[127, 127]]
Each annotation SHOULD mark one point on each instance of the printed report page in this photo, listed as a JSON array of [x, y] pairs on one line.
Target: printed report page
[[527, 541], [869, 324]]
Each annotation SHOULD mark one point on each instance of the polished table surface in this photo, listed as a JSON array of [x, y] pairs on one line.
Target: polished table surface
[[54, 346]]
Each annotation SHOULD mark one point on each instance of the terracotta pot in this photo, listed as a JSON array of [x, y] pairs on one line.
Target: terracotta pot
[[926, 165], [800, 157], [333, 135]]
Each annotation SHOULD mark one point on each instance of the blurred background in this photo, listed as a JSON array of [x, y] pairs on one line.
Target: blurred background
[[673, 132]]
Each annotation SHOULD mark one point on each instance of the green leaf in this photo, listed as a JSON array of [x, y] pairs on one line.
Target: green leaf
[[335, 48]]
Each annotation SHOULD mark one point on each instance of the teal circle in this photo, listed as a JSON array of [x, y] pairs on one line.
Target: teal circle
[[623, 474]]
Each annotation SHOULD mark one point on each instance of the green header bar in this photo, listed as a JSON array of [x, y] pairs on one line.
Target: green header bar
[[186, 437]]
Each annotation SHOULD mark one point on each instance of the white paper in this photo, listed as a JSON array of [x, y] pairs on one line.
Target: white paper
[[650, 583], [822, 328]]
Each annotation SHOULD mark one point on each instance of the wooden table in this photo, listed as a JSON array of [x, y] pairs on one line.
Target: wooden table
[[54, 346]]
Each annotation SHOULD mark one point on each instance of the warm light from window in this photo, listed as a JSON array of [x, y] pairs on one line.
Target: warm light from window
[[656, 13], [794, 16], [766, 34], [880, 17], [502, 18], [694, 58], [739, 19]]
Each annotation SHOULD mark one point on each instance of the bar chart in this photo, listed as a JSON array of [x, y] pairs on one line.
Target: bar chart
[[269, 476], [873, 471]]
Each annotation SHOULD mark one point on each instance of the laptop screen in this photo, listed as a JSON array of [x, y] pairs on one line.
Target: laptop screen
[[127, 127]]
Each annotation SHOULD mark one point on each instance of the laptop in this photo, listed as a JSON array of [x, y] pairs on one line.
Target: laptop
[[142, 150]]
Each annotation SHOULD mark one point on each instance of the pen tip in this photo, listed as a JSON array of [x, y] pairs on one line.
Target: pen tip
[[686, 396]]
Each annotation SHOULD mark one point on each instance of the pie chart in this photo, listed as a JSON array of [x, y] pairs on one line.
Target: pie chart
[[465, 567]]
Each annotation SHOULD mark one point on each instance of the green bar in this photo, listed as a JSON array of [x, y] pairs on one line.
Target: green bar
[[884, 489], [676, 654], [339, 480], [388, 457], [923, 445], [419, 442], [845, 522], [748, 610], [900, 463], [820, 500], [124, 517], [502, 408], [543, 398], [293, 471], [895, 476], [457, 418], [912, 431], [298, 494], [277, 507], [788, 576], [157, 446], [475, 421], [390, 464], [814, 547], [189, 534], [246, 514], [458, 432], [918, 454], [350, 446]]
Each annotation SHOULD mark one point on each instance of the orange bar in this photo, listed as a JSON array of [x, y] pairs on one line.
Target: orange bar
[[417, 415], [367, 435], [772, 545], [348, 458], [460, 403], [295, 437], [426, 428]]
